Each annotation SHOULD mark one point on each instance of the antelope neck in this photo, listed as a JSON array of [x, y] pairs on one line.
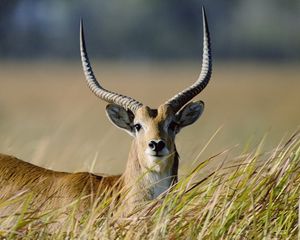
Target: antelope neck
[[144, 183]]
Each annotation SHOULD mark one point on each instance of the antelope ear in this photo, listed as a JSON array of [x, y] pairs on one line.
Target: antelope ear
[[120, 117], [190, 113]]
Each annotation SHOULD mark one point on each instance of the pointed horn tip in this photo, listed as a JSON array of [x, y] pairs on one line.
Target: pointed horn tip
[[81, 34], [204, 15], [203, 10], [81, 24]]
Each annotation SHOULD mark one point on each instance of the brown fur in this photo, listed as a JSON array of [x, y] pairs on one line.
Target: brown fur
[[56, 188], [145, 177], [143, 189]]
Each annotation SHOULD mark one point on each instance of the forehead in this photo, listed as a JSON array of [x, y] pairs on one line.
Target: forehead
[[160, 114]]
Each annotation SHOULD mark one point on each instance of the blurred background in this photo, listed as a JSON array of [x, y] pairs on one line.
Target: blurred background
[[150, 30], [149, 50]]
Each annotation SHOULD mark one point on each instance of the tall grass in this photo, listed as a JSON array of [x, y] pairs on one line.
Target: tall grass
[[256, 198]]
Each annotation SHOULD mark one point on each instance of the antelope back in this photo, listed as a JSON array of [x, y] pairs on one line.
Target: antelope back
[[52, 189]]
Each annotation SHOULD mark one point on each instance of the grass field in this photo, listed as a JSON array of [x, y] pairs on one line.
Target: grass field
[[49, 117]]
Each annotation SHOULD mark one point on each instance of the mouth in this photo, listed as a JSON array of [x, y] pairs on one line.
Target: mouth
[[158, 155], [158, 158]]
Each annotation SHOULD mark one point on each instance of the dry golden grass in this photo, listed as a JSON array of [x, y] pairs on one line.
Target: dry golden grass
[[49, 117], [257, 199]]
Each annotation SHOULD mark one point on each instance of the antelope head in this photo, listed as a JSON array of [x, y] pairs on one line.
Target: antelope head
[[153, 130]]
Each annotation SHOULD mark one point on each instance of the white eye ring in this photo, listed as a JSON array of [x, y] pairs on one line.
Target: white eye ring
[[137, 127]]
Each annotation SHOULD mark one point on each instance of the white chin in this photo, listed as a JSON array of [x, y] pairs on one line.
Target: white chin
[[157, 158], [157, 163]]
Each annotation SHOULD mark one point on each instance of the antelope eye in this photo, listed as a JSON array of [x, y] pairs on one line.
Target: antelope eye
[[137, 127], [173, 126]]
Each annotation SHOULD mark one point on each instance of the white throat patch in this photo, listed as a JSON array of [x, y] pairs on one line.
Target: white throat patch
[[159, 181]]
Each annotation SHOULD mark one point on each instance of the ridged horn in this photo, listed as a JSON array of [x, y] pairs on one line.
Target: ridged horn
[[94, 85], [180, 99]]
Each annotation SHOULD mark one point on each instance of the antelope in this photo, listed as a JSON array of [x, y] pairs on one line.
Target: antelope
[[153, 160]]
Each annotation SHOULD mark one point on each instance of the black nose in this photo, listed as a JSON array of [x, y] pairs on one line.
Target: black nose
[[156, 145]]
